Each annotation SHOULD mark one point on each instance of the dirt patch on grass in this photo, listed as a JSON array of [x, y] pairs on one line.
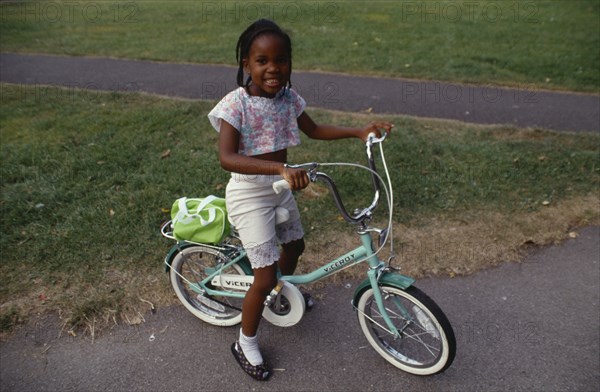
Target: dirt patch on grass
[[122, 296], [438, 246], [450, 247]]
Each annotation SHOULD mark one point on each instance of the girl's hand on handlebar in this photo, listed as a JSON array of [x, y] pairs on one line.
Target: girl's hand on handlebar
[[375, 127], [297, 178]]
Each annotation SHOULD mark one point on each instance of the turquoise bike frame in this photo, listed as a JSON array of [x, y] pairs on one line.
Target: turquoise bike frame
[[356, 256]]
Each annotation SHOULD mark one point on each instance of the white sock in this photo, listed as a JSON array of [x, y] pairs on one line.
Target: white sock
[[250, 347]]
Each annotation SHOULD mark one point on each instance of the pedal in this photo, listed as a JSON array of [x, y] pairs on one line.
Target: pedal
[[273, 294]]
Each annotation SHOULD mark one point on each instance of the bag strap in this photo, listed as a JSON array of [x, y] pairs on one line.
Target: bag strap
[[207, 200], [184, 212], [203, 202]]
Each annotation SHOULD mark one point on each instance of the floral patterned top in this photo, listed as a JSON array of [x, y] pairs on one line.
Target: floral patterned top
[[265, 124]]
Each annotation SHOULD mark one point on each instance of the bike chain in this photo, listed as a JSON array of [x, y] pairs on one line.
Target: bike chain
[[216, 300], [223, 303]]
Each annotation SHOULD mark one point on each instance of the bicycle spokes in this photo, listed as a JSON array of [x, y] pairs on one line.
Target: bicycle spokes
[[425, 342]]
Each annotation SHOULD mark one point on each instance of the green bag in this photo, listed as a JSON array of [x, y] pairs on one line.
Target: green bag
[[200, 220]]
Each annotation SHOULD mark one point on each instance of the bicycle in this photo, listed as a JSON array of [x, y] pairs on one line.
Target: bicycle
[[400, 321]]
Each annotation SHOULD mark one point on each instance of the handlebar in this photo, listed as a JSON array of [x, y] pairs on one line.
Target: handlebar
[[314, 175]]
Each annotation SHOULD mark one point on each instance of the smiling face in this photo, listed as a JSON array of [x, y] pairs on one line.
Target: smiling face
[[268, 64]]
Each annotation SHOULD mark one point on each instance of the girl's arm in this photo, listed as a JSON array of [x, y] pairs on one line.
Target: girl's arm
[[234, 162], [331, 132], [237, 163]]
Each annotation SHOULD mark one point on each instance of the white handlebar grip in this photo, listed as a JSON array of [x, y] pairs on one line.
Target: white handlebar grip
[[279, 186]]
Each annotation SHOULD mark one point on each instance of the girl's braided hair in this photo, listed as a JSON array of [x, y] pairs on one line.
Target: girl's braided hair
[[256, 29]]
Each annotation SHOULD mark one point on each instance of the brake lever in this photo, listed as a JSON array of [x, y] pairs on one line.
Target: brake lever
[[310, 167], [311, 172], [373, 139]]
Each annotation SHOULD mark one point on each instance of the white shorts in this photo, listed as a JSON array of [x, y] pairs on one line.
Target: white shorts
[[251, 203]]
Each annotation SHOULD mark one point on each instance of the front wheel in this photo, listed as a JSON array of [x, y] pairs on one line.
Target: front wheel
[[426, 344]]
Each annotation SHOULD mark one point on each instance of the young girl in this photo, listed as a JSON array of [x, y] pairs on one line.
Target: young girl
[[257, 123]]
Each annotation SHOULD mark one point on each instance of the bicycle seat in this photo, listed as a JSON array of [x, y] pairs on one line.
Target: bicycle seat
[[281, 215]]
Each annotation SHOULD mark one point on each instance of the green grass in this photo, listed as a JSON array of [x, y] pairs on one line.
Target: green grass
[[548, 44], [88, 177]]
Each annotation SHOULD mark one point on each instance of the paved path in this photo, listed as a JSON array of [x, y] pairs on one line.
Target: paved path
[[532, 326], [519, 106]]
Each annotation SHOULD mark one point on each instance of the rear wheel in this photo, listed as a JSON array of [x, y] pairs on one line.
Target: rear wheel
[[426, 344], [192, 265]]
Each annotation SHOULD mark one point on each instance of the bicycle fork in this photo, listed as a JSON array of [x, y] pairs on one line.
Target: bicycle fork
[[375, 274], [391, 328]]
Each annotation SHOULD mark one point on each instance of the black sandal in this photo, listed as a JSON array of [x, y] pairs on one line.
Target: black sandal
[[260, 372], [308, 301]]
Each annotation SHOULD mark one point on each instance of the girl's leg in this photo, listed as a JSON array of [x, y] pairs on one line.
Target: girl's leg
[[265, 279], [289, 256], [287, 264]]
